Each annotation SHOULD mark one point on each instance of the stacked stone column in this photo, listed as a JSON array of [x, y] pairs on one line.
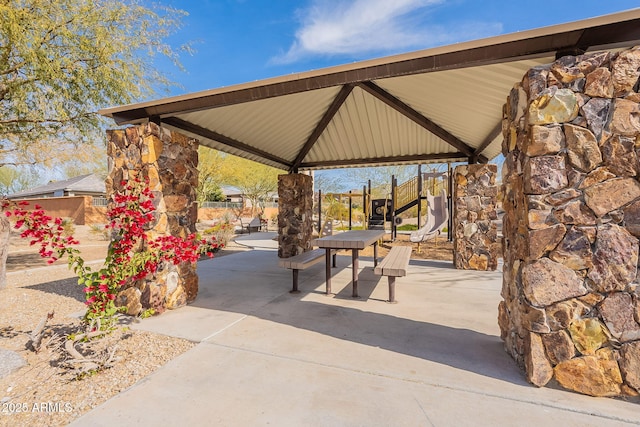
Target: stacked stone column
[[571, 308], [475, 235], [295, 214], [169, 161]]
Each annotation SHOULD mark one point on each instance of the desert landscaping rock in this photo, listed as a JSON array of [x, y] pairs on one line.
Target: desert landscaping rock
[[10, 361]]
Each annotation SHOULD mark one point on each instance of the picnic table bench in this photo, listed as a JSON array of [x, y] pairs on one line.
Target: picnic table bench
[[254, 225], [394, 265], [303, 261]]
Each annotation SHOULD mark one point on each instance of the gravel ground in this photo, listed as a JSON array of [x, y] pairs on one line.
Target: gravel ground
[[44, 392]]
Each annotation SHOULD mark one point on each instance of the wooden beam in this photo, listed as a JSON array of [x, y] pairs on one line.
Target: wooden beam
[[225, 140], [416, 117], [322, 125]]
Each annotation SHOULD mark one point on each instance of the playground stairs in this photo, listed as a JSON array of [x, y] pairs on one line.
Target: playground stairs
[[404, 197], [407, 195]]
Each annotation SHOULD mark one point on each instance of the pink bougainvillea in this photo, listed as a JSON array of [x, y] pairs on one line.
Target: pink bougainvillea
[[132, 254]]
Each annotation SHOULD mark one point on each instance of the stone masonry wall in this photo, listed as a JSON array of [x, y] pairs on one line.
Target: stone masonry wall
[[295, 222], [169, 160], [571, 307], [475, 237]]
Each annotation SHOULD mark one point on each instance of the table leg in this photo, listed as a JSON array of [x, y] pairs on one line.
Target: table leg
[[375, 254], [354, 273], [328, 271]]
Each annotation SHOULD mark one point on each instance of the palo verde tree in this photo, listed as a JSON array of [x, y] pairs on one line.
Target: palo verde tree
[[256, 181], [62, 60], [210, 166], [380, 177], [14, 179]]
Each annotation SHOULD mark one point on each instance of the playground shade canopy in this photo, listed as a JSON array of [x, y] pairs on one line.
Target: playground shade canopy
[[435, 105]]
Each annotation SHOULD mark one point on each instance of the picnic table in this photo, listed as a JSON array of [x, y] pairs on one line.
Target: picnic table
[[355, 240]]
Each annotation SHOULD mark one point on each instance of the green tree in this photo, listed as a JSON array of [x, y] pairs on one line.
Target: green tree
[[256, 181], [210, 170], [328, 181], [380, 177], [91, 158], [63, 60], [14, 179], [60, 61]]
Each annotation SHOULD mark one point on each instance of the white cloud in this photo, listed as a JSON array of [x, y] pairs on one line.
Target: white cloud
[[342, 27]]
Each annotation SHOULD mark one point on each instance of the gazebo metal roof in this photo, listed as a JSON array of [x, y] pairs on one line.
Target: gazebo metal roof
[[435, 105]]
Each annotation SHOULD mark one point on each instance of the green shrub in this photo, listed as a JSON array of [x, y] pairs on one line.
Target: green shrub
[[100, 230], [222, 231], [407, 227], [68, 228]]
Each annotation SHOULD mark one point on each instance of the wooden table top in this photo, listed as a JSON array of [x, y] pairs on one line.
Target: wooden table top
[[354, 239]]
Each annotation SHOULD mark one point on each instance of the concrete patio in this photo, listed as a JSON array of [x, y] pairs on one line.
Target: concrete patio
[[266, 356]]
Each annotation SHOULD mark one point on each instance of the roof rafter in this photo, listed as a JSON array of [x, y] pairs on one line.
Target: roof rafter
[[416, 117], [215, 136], [497, 130], [322, 125], [389, 160]]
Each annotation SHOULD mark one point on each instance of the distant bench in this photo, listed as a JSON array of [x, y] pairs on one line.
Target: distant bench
[[394, 265], [303, 261], [249, 225]]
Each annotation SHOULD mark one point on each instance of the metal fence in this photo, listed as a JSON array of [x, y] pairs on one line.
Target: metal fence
[[103, 201], [223, 205], [234, 205], [100, 201]]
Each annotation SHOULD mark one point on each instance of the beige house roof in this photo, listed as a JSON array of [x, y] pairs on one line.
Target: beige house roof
[[83, 185], [435, 105]]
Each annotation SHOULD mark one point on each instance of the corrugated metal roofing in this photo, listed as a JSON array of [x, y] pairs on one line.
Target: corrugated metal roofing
[[435, 105]]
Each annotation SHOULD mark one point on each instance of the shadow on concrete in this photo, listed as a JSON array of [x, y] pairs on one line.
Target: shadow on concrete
[[261, 290]]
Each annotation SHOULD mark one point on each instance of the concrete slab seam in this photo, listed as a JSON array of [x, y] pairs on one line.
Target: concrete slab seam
[[428, 384], [225, 328]]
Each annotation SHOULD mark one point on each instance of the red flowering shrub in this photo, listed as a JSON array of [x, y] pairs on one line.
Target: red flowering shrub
[[132, 255]]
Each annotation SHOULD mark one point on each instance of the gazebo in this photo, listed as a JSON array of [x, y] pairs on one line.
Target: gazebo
[[520, 94]]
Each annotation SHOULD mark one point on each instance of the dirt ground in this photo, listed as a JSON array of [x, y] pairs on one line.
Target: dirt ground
[[93, 246], [439, 248]]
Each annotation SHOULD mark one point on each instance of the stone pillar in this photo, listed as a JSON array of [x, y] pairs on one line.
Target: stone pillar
[[169, 160], [295, 216], [571, 306], [475, 235]]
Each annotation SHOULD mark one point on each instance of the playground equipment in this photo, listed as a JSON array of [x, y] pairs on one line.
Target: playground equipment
[[377, 212], [325, 226], [409, 194], [437, 218]]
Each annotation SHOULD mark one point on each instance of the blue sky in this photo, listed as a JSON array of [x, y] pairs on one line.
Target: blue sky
[[238, 41]]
